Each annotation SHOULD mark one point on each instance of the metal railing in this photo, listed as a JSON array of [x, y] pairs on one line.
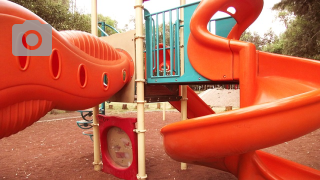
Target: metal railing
[[163, 43], [103, 28], [166, 24]]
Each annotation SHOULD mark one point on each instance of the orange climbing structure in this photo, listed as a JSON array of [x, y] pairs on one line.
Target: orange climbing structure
[[81, 72], [279, 99], [279, 96]]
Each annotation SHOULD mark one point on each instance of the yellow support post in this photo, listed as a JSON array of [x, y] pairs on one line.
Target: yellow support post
[[164, 111], [96, 135], [140, 90], [184, 112], [183, 87]]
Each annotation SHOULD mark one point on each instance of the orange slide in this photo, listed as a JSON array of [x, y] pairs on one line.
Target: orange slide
[[196, 106], [81, 72], [279, 99]]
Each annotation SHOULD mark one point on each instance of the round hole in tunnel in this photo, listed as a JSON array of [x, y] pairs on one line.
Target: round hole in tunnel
[[55, 64], [119, 147], [82, 75], [231, 10], [162, 67], [124, 75], [105, 81], [23, 62]]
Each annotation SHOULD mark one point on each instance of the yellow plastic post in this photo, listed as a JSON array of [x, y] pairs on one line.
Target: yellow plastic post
[[164, 111], [96, 139], [184, 113], [140, 90], [183, 87]]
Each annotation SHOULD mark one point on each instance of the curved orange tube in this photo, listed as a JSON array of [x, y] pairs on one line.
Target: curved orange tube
[[72, 78], [279, 99], [211, 55]]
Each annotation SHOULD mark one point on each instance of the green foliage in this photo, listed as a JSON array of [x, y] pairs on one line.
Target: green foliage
[[57, 14], [166, 33], [62, 15], [253, 38], [270, 42], [160, 34], [307, 8], [286, 17], [275, 47], [302, 37], [108, 21]]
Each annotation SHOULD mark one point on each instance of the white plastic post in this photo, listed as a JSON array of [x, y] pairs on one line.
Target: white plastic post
[[164, 111], [96, 135], [184, 99], [140, 90]]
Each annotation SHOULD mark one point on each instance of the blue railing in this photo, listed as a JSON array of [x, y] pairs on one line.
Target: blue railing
[[156, 25], [163, 62], [103, 28]]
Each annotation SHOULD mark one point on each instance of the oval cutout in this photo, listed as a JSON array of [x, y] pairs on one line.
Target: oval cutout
[[124, 75], [55, 64], [23, 62], [231, 10], [105, 81], [118, 139], [82, 75]]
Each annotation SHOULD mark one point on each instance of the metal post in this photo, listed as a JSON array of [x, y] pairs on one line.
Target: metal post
[[184, 98], [103, 108], [140, 90], [103, 27], [182, 2], [96, 135]]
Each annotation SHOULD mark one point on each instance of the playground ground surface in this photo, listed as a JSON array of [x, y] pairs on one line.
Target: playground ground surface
[[54, 148]]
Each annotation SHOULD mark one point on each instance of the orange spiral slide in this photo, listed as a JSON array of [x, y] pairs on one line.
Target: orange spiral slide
[[279, 99], [81, 72]]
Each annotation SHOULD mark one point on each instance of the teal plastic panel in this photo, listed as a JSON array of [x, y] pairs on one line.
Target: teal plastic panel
[[224, 25], [222, 28], [190, 74]]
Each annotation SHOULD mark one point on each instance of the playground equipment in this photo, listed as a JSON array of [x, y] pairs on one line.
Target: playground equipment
[[279, 95], [103, 28], [79, 65], [279, 98], [119, 146]]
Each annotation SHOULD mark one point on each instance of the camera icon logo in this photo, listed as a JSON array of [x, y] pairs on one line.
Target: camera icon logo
[[31, 39]]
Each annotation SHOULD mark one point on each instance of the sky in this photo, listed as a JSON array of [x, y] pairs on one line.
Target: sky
[[123, 10]]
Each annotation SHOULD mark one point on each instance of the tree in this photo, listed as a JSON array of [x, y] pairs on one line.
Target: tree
[[131, 24], [274, 47], [108, 21], [302, 37], [166, 34], [253, 38], [286, 17], [57, 14], [270, 42], [63, 15]]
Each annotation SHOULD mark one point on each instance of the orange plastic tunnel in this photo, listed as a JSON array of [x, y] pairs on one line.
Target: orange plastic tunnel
[[81, 72]]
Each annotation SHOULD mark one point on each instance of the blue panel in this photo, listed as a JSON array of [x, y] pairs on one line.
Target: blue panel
[[190, 74], [223, 27]]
